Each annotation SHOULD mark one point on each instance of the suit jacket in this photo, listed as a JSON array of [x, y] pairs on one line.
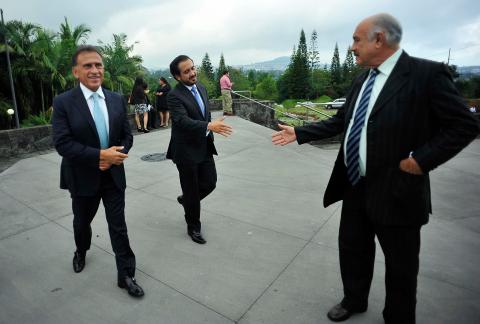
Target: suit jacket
[[76, 140], [189, 142], [417, 110]]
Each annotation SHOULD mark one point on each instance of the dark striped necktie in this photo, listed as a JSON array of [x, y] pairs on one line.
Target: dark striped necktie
[[353, 141]]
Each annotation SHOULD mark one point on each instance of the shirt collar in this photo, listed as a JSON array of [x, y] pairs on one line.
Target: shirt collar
[[189, 87], [387, 66], [87, 93]]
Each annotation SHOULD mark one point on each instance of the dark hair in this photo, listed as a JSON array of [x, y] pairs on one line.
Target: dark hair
[[225, 72], [164, 81], [84, 48], [138, 81], [174, 70]]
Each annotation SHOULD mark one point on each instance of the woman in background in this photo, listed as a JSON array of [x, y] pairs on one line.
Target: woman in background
[[138, 98], [161, 101]]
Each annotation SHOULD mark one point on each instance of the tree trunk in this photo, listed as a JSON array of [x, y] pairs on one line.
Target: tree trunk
[[43, 100]]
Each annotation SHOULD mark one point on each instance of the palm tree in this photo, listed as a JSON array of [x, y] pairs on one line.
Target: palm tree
[[69, 40], [121, 67]]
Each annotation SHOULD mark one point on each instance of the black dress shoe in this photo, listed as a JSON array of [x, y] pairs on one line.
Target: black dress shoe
[[338, 313], [132, 287], [180, 200], [78, 262], [197, 237]]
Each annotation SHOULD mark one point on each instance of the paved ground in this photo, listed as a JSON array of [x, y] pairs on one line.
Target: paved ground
[[271, 255]]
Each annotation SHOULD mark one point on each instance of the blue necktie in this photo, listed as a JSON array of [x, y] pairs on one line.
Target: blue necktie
[[100, 122], [353, 141], [199, 99]]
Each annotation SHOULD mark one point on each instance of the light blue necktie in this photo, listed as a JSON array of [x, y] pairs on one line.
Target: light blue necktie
[[199, 99], [353, 142], [100, 122]]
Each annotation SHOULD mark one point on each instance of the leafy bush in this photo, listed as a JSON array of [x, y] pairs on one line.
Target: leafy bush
[[37, 120]]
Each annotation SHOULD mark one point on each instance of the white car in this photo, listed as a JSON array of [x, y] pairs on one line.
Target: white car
[[336, 104]]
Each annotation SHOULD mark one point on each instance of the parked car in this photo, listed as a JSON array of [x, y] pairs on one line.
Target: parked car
[[335, 104]]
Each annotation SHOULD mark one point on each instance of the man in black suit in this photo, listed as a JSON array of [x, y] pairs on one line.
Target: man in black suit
[[191, 146], [403, 117], [92, 134]]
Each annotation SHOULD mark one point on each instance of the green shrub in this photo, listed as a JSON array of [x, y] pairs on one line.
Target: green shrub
[[37, 120]]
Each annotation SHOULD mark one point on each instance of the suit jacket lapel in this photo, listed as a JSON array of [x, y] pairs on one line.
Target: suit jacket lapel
[[82, 106], [192, 99], [110, 110], [395, 82]]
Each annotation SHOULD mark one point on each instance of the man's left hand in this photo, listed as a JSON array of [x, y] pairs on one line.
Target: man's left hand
[[410, 166], [103, 165]]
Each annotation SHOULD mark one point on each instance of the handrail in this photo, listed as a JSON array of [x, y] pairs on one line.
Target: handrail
[[315, 110], [271, 108], [243, 91]]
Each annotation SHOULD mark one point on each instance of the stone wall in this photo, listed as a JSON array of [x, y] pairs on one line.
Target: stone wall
[[255, 112], [25, 140]]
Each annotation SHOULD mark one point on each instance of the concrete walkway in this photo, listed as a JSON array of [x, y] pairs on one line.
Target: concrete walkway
[[271, 256]]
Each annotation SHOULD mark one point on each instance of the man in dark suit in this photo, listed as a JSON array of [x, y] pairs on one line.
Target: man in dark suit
[[403, 117], [191, 146], [92, 134]]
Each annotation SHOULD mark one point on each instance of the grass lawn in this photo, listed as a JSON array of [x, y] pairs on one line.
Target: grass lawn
[[302, 112]]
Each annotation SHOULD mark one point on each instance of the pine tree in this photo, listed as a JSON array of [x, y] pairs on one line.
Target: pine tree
[[222, 67], [313, 53], [314, 60], [348, 67], [207, 68], [335, 70], [300, 76]]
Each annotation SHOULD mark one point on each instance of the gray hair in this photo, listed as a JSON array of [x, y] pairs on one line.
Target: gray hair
[[389, 25]]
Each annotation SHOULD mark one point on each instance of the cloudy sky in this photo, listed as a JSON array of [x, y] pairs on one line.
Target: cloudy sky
[[249, 31]]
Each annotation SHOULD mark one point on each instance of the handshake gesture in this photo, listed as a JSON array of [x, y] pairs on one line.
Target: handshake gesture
[[220, 127]]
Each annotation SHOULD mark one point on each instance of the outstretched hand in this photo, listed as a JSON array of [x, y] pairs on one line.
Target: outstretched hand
[[220, 127], [285, 136]]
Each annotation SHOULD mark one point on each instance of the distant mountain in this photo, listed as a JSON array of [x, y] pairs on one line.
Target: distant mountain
[[466, 72], [278, 64]]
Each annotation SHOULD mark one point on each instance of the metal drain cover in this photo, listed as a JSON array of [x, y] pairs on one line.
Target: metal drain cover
[[155, 157]]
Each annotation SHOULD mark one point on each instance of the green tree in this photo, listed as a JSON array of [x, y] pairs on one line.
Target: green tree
[[335, 70], [300, 71], [207, 68], [266, 89], [221, 68], [314, 61], [70, 38], [121, 67]]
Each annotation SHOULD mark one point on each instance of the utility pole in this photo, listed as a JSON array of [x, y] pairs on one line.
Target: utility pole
[[448, 60], [12, 87]]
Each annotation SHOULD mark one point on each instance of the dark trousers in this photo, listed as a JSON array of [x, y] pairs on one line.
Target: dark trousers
[[84, 210], [401, 247], [152, 117], [197, 181]]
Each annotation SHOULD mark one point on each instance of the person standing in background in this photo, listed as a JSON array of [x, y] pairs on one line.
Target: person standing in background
[[226, 89], [161, 101], [138, 98]]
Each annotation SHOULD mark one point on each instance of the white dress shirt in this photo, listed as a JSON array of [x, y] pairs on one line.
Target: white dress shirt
[[385, 69], [87, 93]]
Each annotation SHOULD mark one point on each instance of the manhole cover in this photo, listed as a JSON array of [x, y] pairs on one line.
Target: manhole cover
[[155, 157]]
